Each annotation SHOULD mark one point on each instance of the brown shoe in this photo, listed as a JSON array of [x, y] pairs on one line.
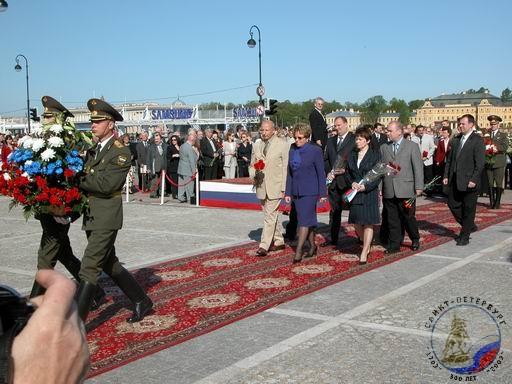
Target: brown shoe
[[277, 247], [261, 252]]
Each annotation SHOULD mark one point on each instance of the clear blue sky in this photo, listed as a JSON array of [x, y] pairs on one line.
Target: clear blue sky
[[348, 51]]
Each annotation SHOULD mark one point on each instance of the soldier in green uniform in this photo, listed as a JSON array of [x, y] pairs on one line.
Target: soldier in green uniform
[[496, 170], [55, 245], [105, 173]]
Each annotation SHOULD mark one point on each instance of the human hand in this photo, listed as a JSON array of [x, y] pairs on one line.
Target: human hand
[[330, 176], [319, 142], [419, 192], [355, 186], [323, 199], [61, 220], [471, 185], [52, 348], [287, 199], [340, 171], [445, 181]]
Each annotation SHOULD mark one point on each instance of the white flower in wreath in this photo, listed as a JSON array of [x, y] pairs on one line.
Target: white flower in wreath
[[37, 131], [26, 175], [55, 142], [28, 163], [56, 128], [27, 143], [48, 154], [7, 177], [37, 144]]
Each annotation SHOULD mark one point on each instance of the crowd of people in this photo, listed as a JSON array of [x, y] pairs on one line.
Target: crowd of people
[[302, 166]]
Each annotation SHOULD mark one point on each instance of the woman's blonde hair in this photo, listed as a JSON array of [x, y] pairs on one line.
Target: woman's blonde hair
[[303, 129]]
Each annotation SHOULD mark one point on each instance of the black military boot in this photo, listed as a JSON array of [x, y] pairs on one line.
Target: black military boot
[[37, 290], [492, 199], [497, 202], [142, 303], [84, 298]]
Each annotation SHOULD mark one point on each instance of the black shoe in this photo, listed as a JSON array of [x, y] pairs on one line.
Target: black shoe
[[274, 248], [415, 245], [391, 251], [261, 252], [182, 201], [312, 252], [474, 228], [99, 298], [462, 242], [142, 308]]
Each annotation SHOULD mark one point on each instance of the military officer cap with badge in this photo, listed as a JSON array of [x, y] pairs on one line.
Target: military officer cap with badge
[[101, 110], [52, 107], [495, 118]]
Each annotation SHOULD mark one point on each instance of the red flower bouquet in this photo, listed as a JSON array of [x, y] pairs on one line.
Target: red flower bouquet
[[424, 154], [259, 166], [42, 174], [491, 151]]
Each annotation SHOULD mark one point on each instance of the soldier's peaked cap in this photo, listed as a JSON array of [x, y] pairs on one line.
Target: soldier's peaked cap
[[101, 110], [494, 117], [52, 107]]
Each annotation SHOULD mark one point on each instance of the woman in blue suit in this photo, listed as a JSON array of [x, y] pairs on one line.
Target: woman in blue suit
[[305, 184], [364, 208]]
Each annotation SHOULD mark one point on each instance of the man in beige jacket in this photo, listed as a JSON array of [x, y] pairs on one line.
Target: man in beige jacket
[[274, 152]]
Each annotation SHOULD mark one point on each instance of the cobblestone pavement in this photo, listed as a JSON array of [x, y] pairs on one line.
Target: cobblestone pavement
[[369, 329]]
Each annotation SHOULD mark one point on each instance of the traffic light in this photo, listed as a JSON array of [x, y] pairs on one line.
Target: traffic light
[[33, 114], [272, 107]]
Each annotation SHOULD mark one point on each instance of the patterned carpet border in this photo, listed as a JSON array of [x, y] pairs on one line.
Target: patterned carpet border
[[199, 294]]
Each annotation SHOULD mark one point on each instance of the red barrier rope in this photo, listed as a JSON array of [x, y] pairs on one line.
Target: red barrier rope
[[157, 185], [192, 178]]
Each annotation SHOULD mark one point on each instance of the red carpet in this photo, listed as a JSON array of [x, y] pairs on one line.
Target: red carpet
[[205, 292]]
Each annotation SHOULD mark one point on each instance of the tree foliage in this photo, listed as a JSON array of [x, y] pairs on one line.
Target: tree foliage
[[372, 108], [506, 95]]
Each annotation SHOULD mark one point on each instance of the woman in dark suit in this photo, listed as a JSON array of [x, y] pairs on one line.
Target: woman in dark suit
[[244, 153], [173, 158], [364, 208], [305, 184]]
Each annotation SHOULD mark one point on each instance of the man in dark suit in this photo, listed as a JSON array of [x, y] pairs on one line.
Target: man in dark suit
[[462, 174], [318, 124], [397, 189], [337, 151], [496, 169], [104, 175], [142, 149], [209, 155], [156, 161], [378, 136]]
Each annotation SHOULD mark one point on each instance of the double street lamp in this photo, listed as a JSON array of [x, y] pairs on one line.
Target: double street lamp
[[251, 43], [18, 68], [3, 5]]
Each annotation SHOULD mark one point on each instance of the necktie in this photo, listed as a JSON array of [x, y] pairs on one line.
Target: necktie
[[265, 148], [493, 134], [462, 140], [98, 150], [395, 148]]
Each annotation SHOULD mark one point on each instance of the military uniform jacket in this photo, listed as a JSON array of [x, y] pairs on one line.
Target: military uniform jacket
[[501, 142], [103, 181]]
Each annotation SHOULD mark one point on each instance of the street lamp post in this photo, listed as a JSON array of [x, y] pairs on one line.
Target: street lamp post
[[3, 5], [18, 68], [251, 43]]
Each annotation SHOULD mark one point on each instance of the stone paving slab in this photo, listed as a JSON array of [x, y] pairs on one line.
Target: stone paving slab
[[367, 329]]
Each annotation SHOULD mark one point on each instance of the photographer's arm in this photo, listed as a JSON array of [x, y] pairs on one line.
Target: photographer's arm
[[52, 347]]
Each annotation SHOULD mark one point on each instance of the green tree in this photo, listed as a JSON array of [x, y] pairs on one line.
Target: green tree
[[372, 108], [416, 104], [401, 107], [506, 95]]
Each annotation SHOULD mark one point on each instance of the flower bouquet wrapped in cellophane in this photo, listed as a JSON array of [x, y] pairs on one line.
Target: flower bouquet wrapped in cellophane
[[42, 174]]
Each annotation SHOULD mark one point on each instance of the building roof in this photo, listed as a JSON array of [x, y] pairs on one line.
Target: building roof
[[349, 113], [465, 98]]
